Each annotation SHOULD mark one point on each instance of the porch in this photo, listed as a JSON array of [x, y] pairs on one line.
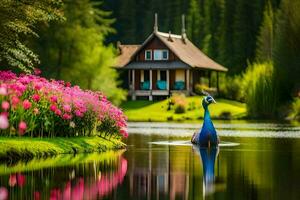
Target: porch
[[162, 82]]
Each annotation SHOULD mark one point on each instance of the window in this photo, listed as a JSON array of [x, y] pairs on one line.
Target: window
[[161, 54], [148, 55], [165, 54]]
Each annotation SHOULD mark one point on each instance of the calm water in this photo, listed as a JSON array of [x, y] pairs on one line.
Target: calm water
[[159, 163]]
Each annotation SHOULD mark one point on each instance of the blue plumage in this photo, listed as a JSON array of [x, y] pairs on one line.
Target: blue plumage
[[207, 135]]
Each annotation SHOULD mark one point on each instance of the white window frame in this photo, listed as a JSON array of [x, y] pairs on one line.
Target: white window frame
[[158, 54], [150, 55]]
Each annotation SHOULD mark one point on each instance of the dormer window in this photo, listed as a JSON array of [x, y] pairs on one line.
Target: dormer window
[[161, 54], [148, 55]]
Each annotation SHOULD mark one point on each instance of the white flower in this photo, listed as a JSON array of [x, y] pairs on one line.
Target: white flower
[[3, 121], [72, 124]]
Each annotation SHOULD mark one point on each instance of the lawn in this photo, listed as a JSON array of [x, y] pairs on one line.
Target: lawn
[[158, 110], [15, 148]]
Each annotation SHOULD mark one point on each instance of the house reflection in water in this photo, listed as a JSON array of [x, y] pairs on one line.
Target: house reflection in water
[[171, 173]]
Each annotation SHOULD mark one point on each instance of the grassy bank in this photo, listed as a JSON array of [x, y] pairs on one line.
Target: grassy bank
[[25, 148], [158, 111]]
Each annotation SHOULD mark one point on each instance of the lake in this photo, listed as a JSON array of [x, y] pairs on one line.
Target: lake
[[255, 161]]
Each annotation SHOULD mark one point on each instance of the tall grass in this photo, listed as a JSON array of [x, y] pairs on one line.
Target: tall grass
[[258, 90]]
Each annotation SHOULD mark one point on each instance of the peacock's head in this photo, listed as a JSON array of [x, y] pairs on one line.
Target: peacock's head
[[207, 100]]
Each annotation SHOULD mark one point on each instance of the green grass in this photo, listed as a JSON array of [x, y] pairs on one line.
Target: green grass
[[16, 148], [157, 111]]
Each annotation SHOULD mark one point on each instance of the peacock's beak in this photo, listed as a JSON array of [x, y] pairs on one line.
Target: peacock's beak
[[213, 100]]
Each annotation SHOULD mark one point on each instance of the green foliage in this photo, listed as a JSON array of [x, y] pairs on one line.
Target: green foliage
[[265, 40], [195, 22], [203, 87], [18, 20], [231, 88], [295, 113], [75, 50], [258, 90], [287, 51]]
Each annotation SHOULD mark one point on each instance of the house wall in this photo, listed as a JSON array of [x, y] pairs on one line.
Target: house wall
[[155, 43], [180, 75]]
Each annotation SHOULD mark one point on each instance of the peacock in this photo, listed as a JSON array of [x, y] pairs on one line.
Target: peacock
[[207, 135]]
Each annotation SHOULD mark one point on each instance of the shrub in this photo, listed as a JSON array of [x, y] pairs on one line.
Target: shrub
[[179, 108], [35, 106], [231, 88], [202, 87], [295, 114], [258, 90], [179, 101]]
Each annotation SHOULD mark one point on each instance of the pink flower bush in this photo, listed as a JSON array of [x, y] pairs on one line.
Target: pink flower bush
[[48, 106]]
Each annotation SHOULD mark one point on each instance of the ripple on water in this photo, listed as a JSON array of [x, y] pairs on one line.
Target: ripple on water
[[188, 143]]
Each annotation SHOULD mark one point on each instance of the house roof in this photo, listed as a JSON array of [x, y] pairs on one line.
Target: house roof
[[184, 49], [126, 52]]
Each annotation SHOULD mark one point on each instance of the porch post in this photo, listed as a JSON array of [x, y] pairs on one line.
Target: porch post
[[218, 89], [150, 77], [188, 81], [133, 97], [168, 79]]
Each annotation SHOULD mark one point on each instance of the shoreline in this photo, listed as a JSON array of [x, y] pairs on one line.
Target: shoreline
[[14, 149]]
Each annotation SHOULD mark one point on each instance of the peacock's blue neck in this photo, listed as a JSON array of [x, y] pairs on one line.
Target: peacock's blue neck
[[206, 114]]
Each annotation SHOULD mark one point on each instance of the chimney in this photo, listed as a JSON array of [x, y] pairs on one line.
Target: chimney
[[183, 32], [155, 24], [170, 37]]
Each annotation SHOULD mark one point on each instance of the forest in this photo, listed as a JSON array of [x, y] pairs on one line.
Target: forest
[[258, 41]]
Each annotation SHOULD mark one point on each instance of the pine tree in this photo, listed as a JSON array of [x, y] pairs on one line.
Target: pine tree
[[265, 39], [195, 23], [287, 50], [227, 35]]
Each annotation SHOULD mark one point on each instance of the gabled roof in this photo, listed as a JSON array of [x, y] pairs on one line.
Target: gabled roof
[[184, 49], [126, 52]]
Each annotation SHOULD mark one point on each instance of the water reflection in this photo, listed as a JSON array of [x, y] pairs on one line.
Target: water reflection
[[208, 157], [89, 180]]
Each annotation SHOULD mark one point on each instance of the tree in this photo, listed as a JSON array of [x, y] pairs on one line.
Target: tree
[[74, 50], [265, 39], [17, 21], [287, 50], [195, 23]]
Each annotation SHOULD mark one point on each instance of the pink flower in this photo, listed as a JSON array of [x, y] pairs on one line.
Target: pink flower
[[68, 84], [15, 100], [3, 91], [67, 116], [53, 107], [58, 112], [53, 99], [78, 113], [4, 124], [26, 104], [3, 193], [22, 127], [36, 97], [5, 105], [37, 71], [12, 181], [67, 108]]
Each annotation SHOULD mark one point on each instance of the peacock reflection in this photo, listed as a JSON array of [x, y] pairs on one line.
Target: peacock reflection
[[208, 158], [91, 180]]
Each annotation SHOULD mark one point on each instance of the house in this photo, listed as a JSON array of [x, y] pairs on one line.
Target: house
[[165, 63]]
